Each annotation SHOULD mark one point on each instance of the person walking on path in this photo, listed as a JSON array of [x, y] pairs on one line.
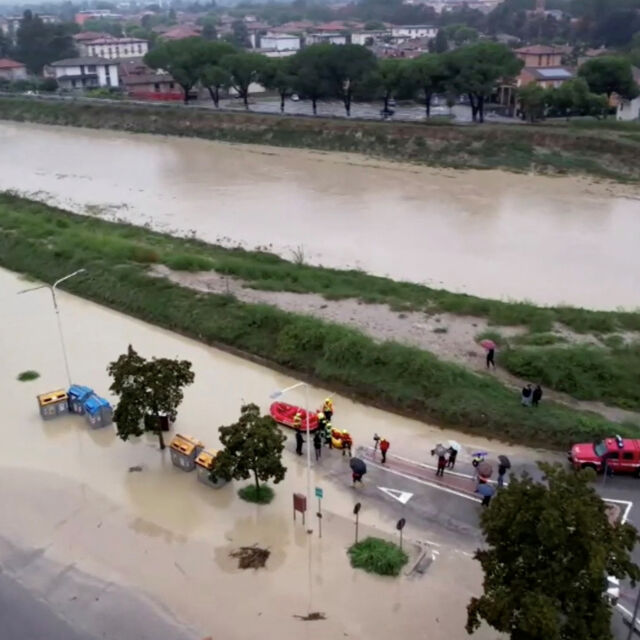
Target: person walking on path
[[317, 444], [453, 453], [502, 470], [384, 447], [347, 442], [299, 442], [486, 500], [491, 354], [442, 463], [356, 477], [527, 392], [327, 408], [536, 396]]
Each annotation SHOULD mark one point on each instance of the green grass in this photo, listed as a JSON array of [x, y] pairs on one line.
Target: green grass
[[414, 382], [538, 339], [28, 375], [584, 372], [375, 555], [250, 493]]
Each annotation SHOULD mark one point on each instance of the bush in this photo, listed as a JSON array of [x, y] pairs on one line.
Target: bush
[[250, 493], [538, 339], [28, 375], [48, 85], [375, 555], [188, 262]]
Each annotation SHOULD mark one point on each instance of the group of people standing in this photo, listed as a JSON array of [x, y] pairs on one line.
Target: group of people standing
[[531, 396], [324, 432]]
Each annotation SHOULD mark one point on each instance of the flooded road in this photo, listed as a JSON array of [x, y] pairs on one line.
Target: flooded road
[[494, 234], [67, 492]]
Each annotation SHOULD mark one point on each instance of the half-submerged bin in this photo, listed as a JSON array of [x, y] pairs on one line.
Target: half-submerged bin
[[204, 463], [53, 404], [98, 412], [184, 451], [78, 395]]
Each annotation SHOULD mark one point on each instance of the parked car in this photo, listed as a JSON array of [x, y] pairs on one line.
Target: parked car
[[621, 455]]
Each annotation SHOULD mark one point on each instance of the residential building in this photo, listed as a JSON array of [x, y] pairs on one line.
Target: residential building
[[180, 32], [367, 38], [326, 38], [254, 31], [408, 32], [142, 83], [12, 70], [114, 48], [280, 42], [86, 36], [541, 55], [10, 26], [544, 76], [96, 14], [630, 109], [84, 73]]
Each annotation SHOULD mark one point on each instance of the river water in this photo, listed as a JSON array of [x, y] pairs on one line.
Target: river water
[[490, 233]]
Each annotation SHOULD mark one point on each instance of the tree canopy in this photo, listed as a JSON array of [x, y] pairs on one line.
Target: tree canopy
[[147, 388], [609, 74], [431, 74], [550, 548], [244, 69], [252, 447]]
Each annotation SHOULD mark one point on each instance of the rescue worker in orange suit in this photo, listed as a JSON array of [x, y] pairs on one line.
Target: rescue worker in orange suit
[[327, 408], [384, 447], [347, 442]]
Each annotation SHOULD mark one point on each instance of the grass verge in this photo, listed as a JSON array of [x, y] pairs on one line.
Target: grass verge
[[263, 495], [375, 555], [47, 243], [28, 375]]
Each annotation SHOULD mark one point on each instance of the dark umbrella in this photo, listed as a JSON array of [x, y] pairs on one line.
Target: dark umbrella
[[440, 450], [504, 462], [485, 470], [485, 490], [358, 466]]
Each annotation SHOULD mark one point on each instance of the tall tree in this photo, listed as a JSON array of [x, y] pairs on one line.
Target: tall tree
[[389, 77], [440, 42], [609, 74], [347, 68], [277, 75], [147, 388], [309, 78], [252, 447], [549, 549], [239, 36], [430, 75], [477, 68], [533, 99], [5, 45], [183, 59], [214, 78], [244, 69]]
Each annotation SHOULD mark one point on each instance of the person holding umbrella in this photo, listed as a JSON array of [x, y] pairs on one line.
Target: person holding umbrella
[[441, 452], [453, 449], [490, 346], [486, 491], [358, 469], [505, 464]]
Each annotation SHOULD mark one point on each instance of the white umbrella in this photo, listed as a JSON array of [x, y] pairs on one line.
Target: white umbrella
[[452, 444]]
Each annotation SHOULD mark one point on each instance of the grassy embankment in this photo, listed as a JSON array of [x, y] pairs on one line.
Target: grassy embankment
[[47, 243], [544, 149]]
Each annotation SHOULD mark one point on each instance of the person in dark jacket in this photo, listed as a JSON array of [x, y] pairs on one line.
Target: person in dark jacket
[[442, 463], [527, 392], [453, 454], [502, 470], [491, 354], [317, 443], [536, 396], [299, 442]]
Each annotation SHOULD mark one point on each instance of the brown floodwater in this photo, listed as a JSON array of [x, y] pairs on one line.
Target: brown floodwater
[[490, 233]]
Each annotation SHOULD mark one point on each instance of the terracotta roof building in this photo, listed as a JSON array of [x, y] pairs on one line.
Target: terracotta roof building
[[12, 70]]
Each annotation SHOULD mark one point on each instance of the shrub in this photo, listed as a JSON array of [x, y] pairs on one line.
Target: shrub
[[263, 495], [28, 375], [375, 555]]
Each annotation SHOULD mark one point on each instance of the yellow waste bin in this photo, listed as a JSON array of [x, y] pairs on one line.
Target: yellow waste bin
[[184, 451], [204, 463], [53, 404]]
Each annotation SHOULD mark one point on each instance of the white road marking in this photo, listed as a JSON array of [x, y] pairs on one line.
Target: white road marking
[[426, 482], [396, 494], [627, 509]]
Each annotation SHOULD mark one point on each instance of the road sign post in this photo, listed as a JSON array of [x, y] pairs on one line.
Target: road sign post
[[299, 504], [356, 511], [319, 495]]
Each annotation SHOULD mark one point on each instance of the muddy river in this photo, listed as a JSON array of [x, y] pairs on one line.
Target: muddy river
[[549, 240]]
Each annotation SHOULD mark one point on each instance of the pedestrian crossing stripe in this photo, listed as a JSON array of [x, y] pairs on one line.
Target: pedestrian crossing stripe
[[396, 494]]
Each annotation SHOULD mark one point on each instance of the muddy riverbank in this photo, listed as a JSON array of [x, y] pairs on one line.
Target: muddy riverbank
[[489, 233]]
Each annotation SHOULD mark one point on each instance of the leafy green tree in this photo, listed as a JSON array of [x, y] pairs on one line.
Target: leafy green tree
[[147, 389], [609, 74], [252, 447], [209, 31], [440, 42], [430, 75], [309, 77], [476, 69], [347, 69], [239, 36], [389, 78], [569, 97], [38, 43], [533, 100], [549, 549], [214, 78], [278, 76], [244, 69], [5, 45], [104, 25], [183, 59]]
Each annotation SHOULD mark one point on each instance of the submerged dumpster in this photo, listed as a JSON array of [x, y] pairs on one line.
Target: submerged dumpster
[[98, 411], [53, 404], [184, 451], [204, 463], [78, 395]]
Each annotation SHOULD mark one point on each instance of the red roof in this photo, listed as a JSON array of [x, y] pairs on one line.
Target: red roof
[[6, 63], [91, 35], [540, 50], [180, 32]]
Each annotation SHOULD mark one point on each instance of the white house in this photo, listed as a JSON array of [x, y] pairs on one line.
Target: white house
[[414, 31], [114, 48], [630, 109], [280, 42], [365, 38], [326, 38], [85, 73]]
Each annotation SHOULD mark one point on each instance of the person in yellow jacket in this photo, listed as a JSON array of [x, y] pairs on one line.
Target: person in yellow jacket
[[297, 421], [347, 442], [327, 408]]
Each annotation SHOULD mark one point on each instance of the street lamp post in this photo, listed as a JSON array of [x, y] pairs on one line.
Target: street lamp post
[[52, 288], [278, 394]]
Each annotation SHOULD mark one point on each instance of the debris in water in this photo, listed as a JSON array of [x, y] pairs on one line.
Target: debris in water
[[314, 615], [251, 557], [135, 468]]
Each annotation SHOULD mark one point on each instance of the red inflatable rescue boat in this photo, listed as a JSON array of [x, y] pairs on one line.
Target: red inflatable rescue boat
[[284, 414]]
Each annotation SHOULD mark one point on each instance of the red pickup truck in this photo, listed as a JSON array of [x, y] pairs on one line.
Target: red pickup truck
[[621, 455]]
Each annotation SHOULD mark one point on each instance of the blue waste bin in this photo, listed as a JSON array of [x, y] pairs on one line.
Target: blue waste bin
[[78, 395], [98, 412]]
